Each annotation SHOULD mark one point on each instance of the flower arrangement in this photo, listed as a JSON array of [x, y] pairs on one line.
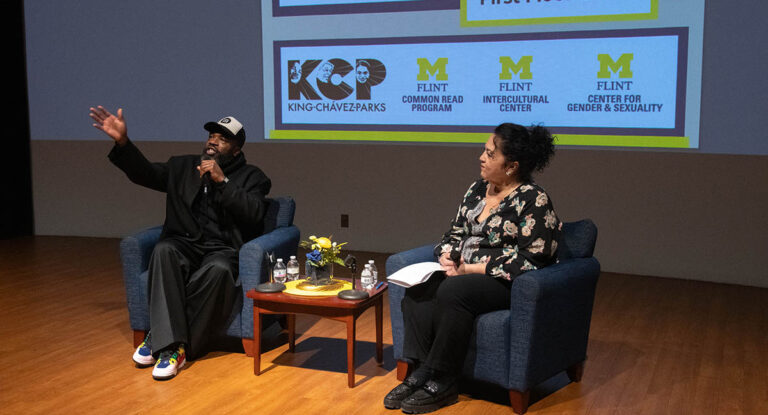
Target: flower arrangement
[[324, 251]]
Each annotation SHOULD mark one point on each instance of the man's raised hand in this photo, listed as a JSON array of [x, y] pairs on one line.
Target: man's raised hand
[[113, 126]]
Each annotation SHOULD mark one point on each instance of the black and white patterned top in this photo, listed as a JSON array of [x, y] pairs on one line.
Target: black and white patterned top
[[519, 235]]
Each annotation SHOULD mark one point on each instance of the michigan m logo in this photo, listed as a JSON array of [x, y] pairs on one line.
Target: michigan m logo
[[426, 68], [621, 65], [522, 67]]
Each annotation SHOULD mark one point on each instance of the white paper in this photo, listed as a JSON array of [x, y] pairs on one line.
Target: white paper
[[414, 274]]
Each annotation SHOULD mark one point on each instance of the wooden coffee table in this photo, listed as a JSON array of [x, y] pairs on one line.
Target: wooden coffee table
[[335, 308]]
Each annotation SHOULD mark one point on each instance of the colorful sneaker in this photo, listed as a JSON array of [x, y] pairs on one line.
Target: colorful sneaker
[[169, 363], [143, 354]]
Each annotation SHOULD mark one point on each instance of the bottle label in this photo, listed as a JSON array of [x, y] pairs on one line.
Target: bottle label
[[279, 275], [366, 280]]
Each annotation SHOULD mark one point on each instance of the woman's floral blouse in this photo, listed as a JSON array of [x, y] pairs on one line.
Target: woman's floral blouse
[[519, 235]]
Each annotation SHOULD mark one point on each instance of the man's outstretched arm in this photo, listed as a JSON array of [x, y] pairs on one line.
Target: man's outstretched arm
[[125, 155]]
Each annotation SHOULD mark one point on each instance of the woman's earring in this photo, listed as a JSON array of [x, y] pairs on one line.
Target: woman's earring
[[509, 172]]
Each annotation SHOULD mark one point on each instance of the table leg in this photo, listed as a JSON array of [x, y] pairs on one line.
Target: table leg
[[291, 332], [256, 341], [351, 351], [379, 342]]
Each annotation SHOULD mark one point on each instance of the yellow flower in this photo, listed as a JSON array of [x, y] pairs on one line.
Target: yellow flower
[[324, 242]]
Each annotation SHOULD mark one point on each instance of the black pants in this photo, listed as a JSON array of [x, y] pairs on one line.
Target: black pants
[[192, 290], [439, 316]]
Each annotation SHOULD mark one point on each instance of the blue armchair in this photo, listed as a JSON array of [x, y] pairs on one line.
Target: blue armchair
[[280, 236], [545, 329]]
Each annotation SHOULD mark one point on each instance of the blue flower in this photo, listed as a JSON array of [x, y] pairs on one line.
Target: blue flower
[[315, 256]]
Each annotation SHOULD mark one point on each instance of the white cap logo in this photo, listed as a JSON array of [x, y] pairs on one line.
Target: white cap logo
[[231, 124]]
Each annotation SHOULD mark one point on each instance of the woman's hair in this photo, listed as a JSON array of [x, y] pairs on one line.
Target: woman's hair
[[530, 147]]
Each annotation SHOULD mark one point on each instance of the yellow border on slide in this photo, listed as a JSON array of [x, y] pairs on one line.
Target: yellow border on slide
[[440, 137], [652, 15]]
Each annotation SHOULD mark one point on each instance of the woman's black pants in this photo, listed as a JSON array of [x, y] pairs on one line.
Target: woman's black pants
[[439, 316]]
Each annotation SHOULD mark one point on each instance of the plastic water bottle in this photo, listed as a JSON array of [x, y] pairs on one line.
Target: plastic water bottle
[[374, 271], [366, 278], [279, 272], [293, 269]]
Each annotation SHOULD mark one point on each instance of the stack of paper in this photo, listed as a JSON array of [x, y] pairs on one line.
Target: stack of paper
[[414, 274]]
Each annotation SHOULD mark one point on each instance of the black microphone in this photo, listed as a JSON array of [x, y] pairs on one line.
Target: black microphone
[[455, 257], [207, 176], [351, 263]]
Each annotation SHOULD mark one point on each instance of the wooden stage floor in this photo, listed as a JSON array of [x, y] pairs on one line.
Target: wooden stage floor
[[657, 346]]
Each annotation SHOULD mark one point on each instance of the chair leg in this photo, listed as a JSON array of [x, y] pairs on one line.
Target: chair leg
[[403, 370], [248, 347], [519, 401], [575, 372], [138, 337]]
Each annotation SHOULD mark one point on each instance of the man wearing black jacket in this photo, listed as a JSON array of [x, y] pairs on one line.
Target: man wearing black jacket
[[214, 203]]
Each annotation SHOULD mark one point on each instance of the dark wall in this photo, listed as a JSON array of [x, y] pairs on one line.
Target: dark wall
[[16, 206]]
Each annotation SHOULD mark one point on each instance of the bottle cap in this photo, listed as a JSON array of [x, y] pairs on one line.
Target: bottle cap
[[370, 261], [293, 256], [279, 259]]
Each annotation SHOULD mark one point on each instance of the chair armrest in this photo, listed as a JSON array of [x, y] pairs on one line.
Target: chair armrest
[[395, 292], [551, 309], [254, 270], [412, 256], [135, 251]]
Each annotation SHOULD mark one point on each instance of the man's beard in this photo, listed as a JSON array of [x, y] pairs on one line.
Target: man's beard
[[225, 160], [222, 159]]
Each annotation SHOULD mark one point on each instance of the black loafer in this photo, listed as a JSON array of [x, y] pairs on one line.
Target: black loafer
[[410, 385], [432, 396]]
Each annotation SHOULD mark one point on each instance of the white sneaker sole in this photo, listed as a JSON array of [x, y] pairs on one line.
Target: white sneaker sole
[[143, 361], [167, 373]]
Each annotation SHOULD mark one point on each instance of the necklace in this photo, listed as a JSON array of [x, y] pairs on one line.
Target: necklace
[[488, 194], [493, 201]]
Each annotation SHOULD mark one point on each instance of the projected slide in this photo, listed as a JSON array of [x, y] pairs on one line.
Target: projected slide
[[623, 85]]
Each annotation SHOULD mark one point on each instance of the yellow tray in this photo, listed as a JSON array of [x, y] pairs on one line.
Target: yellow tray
[[302, 287]]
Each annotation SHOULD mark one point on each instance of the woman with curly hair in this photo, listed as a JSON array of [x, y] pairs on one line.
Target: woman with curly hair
[[506, 225]]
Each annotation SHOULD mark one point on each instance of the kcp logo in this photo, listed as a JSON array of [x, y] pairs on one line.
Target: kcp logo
[[333, 77]]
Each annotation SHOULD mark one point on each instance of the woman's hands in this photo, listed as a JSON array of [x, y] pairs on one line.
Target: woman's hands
[[452, 269], [445, 260]]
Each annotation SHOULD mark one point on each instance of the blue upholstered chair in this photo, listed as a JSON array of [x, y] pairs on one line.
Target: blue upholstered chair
[[280, 236], [545, 329]]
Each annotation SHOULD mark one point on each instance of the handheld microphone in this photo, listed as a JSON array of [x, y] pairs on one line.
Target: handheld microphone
[[455, 257], [207, 176]]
